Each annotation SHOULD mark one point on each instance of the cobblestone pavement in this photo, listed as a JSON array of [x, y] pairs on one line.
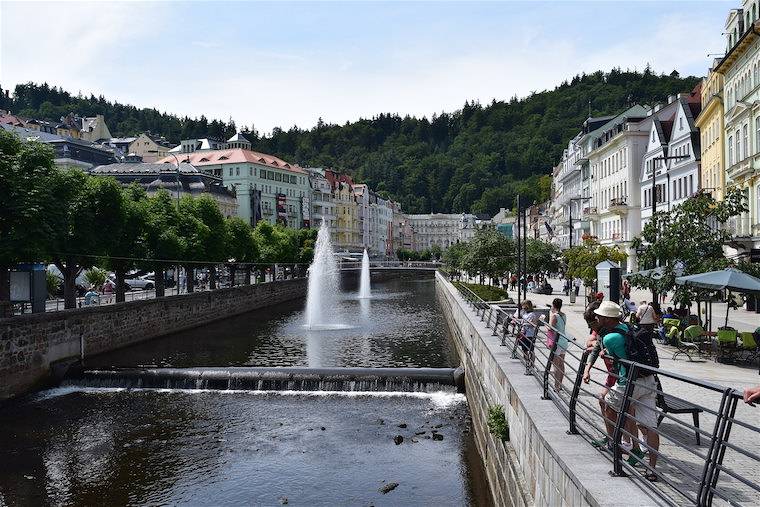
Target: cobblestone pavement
[[680, 464]]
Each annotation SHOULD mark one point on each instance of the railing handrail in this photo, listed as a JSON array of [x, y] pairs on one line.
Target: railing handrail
[[708, 466]]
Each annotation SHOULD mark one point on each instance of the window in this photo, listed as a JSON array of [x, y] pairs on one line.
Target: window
[[730, 150], [680, 123], [738, 147], [237, 171], [230, 171], [745, 141], [691, 184]]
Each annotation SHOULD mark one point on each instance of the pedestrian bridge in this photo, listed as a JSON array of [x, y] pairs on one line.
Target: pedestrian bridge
[[391, 266]]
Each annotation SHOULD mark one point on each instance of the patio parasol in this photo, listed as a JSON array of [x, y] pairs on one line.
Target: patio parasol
[[730, 279]]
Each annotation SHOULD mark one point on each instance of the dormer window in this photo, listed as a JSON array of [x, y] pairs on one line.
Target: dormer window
[[204, 159], [224, 157]]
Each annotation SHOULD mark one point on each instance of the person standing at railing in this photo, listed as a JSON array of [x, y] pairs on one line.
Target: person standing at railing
[[527, 338], [619, 343], [557, 321]]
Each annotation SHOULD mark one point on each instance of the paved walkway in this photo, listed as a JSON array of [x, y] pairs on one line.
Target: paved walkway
[[734, 376]]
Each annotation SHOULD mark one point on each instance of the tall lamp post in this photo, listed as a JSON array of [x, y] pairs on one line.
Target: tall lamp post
[[570, 218], [179, 184], [655, 197]]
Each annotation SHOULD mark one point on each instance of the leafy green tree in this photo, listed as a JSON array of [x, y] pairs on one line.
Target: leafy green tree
[[543, 257], [436, 252], [163, 240], [194, 235], [96, 277], [25, 200], [454, 257], [241, 247], [688, 239], [126, 241], [582, 259], [214, 248], [490, 253], [86, 209]]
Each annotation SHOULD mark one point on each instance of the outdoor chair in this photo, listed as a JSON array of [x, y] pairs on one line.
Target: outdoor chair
[[727, 346], [749, 346], [672, 329], [697, 335], [685, 348]]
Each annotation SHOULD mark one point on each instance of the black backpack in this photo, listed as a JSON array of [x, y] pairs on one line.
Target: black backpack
[[639, 347]]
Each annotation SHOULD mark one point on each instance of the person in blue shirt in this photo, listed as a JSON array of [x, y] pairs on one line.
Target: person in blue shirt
[[643, 399]]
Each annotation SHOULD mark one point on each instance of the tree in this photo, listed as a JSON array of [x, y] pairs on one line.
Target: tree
[[582, 259], [490, 253], [126, 241], [162, 236], [241, 246], [214, 248], [436, 252], [86, 208], [543, 257], [25, 200], [194, 236], [686, 240], [454, 256]]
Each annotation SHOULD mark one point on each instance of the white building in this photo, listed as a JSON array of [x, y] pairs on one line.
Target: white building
[[615, 164], [445, 229], [323, 206], [672, 133]]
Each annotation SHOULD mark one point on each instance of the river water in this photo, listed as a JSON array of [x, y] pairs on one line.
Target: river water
[[89, 446]]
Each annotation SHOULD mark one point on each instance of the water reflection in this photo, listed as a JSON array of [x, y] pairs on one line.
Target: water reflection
[[400, 326]]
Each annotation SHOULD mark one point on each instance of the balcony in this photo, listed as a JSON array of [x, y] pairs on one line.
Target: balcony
[[618, 206], [591, 212], [741, 229]]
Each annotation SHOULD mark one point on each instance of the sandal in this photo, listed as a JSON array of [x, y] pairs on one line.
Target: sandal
[[651, 477]]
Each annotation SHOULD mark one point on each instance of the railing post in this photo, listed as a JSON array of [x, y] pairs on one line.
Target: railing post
[[708, 469], [721, 448], [496, 323], [548, 368], [617, 454], [576, 391]]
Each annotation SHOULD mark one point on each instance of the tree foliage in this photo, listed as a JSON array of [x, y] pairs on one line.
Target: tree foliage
[[475, 159], [490, 253], [686, 240], [581, 260]]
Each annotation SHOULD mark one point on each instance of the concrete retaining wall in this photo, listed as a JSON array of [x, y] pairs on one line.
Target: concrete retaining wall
[[29, 344], [541, 464]]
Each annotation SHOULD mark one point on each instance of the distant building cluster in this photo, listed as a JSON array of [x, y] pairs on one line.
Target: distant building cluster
[[252, 185]]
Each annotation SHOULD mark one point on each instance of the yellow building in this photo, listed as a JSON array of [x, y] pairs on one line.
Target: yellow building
[[348, 230], [710, 123], [151, 148]]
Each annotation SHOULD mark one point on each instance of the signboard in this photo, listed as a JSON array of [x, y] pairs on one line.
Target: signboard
[[21, 286], [754, 255], [282, 211]]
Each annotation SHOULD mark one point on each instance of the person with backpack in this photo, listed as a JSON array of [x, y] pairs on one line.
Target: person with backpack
[[632, 344]]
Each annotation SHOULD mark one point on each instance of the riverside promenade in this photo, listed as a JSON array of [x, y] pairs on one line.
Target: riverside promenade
[[734, 376]]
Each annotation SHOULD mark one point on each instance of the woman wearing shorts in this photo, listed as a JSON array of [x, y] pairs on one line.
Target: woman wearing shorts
[[527, 337], [557, 321]]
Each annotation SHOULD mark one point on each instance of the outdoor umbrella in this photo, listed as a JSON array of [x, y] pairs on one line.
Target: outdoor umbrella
[[730, 279]]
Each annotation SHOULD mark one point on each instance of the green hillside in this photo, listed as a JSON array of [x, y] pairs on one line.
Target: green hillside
[[475, 159]]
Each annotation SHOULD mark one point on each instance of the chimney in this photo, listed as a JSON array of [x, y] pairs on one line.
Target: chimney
[[657, 107], [671, 99]]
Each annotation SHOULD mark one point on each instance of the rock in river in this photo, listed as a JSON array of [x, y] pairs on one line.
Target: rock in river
[[388, 487], [398, 439]]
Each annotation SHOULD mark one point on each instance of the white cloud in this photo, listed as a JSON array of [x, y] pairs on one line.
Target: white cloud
[[91, 47]]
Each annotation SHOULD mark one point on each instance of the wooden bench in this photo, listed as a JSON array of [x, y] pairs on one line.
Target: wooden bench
[[672, 405]]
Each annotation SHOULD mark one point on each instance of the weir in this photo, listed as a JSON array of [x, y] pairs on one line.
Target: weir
[[275, 379]]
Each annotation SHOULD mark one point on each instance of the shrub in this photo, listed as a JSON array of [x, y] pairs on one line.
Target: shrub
[[498, 425]]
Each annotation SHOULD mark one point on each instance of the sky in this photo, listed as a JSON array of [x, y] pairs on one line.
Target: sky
[[291, 63]]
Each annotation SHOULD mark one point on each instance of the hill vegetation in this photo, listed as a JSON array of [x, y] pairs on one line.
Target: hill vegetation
[[475, 159]]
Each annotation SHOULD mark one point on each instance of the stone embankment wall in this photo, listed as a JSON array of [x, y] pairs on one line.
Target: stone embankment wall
[[541, 464], [30, 344]]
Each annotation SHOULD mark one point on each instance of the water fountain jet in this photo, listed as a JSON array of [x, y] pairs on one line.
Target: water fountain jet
[[364, 282], [324, 285]]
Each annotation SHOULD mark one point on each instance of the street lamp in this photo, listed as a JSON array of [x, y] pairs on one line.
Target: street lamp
[[179, 185]]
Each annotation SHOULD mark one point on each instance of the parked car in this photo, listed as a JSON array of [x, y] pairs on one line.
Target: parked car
[[144, 282]]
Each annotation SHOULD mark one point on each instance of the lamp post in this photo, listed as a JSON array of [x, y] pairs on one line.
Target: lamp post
[[664, 158], [179, 184], [570, 208]]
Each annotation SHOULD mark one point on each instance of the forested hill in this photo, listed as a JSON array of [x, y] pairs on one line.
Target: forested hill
[[474, 159]]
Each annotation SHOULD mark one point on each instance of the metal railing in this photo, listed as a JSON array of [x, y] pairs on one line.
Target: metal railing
[[678, 469], [258, 272], [391, 264]]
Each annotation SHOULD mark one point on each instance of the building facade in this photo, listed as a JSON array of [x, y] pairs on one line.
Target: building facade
[[149, 147], [266, 187], [740, 69], [711, 125], [670, 169], [154, 177]]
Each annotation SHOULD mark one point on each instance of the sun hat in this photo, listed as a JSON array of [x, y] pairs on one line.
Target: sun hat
[[608, 309]]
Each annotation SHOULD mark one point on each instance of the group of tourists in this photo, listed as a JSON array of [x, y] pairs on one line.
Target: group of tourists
[[614, 341]]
